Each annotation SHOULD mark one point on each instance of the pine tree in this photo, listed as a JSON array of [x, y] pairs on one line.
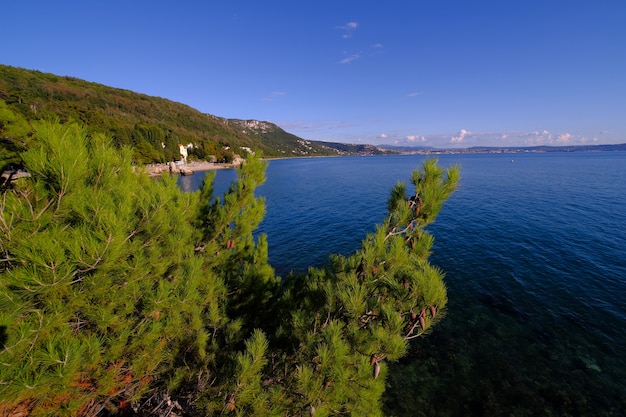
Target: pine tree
[[101, 293], [335, 328], [118, 290]]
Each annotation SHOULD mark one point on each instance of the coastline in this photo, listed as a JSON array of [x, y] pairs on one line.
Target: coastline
[[187, 169], [198, 166]]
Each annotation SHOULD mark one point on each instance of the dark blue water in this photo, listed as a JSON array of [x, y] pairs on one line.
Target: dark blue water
[[534, 250]]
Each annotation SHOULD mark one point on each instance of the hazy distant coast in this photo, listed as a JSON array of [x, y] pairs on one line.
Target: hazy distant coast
[[513, 149]]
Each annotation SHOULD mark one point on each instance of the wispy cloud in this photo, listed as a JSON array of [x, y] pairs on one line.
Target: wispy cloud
[[414, 94], [377, 49], [348, 29], [349, 59], [274, 95]]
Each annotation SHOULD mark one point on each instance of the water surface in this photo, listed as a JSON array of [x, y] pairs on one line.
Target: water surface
[[534, 250]]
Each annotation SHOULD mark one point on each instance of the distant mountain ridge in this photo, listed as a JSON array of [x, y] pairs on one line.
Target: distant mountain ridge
[[274, 136]]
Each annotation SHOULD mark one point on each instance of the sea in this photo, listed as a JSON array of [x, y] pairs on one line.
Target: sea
[[533, 246]]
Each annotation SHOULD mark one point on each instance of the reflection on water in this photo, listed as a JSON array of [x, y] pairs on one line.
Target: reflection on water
[[186, 183]]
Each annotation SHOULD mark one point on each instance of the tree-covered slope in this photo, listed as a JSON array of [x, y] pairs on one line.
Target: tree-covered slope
[[286, 144], [353, 149], [152, 126]]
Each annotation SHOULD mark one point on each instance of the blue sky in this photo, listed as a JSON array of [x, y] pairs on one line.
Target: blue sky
[[443, 73]]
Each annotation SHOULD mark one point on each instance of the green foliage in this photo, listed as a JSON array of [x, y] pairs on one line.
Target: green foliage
[[116, 288], [100, 289], [14, 136]]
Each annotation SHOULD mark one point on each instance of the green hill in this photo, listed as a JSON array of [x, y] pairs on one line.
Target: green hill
[[152, 126]]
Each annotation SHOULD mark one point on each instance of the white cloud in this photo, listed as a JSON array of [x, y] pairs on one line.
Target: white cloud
[[537, 138], [415, 94], [465, 138], [347, 29], [334, 130], [415, 138], [564, 138], [459, 138], [349, 59]]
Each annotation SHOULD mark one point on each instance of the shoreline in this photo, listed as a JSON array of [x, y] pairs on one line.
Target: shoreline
[[187, 169], [199, 166]]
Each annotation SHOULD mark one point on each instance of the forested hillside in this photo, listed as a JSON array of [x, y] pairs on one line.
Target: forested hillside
[[152, 126]]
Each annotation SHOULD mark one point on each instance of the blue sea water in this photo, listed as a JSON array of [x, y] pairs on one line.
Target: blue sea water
[[534, 250]]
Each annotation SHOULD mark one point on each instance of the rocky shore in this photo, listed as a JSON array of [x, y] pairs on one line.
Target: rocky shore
[[185, 169]]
